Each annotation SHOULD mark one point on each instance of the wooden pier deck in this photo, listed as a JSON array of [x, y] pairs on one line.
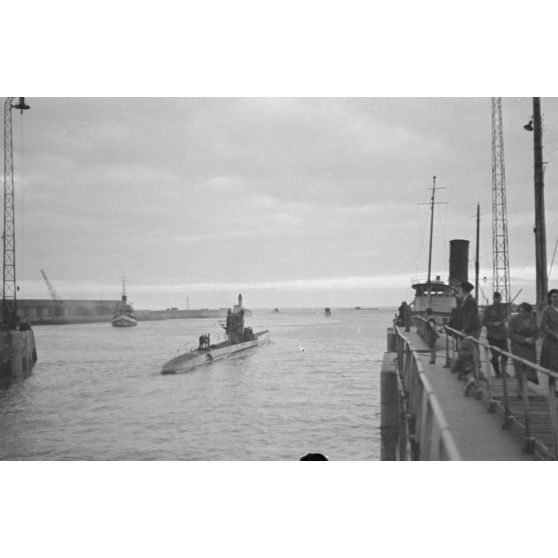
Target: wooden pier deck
[[480, 435]]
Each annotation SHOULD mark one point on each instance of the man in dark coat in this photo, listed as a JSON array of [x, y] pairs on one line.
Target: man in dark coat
[[471, 328], [456, 319], [471, 324], [494, 319], [405, 316]]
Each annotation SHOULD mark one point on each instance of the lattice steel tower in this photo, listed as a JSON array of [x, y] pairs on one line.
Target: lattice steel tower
[[500, 260], [9, 300]]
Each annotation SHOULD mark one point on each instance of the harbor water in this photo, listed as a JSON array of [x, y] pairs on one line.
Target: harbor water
[[96, 392]]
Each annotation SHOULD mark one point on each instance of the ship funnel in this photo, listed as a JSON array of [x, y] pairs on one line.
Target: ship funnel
[[459, 261]]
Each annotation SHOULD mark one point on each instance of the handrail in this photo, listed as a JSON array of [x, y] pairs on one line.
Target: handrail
[[426, 421], [529, 441]]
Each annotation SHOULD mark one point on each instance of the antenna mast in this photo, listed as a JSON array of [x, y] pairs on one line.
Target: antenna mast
[[500, 260]]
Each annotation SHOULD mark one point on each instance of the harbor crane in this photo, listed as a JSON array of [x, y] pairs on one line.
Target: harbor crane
[[9, 288], [53, 294], [51, 289]]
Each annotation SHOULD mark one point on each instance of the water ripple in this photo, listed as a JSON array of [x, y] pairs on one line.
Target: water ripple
[[96, 393]]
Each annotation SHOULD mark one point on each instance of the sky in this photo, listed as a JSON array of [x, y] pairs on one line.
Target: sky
[[295, 202]]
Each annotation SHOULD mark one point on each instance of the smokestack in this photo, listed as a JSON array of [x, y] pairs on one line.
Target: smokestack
[[459, 261]]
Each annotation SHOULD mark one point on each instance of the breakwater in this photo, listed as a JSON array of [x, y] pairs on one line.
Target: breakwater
[[51, 312]]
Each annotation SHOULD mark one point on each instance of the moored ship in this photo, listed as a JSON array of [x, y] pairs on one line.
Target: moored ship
[[436, 293], [124, 315], [239, 339]]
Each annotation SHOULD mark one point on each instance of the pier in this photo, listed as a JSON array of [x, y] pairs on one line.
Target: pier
[[17, 354], [426, 415]]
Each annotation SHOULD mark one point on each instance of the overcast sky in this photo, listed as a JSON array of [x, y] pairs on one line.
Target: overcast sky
[[291, 201]]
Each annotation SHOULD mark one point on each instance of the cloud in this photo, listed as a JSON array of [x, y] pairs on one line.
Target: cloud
[[227, 191]]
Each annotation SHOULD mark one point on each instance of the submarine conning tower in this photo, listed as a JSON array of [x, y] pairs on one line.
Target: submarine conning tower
[[458, 261], [238, 307], [235, 323]]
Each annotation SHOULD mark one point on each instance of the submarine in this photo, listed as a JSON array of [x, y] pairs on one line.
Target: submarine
[[239, 339]]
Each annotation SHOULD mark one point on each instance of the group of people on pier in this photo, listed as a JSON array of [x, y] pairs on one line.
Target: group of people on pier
[[517, 335]]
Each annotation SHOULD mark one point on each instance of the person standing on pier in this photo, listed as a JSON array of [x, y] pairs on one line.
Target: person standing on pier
[[523, 332], [549, 328], [471, 328], [431, 334], [494, 319], [455, 321], [405, 316]]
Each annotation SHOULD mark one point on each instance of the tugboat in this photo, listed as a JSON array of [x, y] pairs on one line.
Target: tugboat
[[239, 339], [125, 315]]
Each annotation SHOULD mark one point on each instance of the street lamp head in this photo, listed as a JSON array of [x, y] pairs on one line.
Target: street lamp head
[[529, 126], [21, 105]]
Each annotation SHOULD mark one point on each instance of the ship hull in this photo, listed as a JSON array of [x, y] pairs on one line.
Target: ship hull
[[199, 357], [124, 321]]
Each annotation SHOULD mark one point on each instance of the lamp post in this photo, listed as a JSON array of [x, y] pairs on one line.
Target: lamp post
[[9, 299], [535, 126]]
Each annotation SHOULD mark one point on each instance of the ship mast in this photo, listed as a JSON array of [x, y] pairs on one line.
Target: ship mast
[[477, 256], [431, 230], [432, 204]]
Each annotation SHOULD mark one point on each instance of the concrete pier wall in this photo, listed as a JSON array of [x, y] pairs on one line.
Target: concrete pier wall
[[390, 408], [18, 354]]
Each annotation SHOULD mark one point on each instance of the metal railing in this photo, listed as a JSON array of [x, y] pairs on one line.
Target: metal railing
[[453, 340], [429, 434]]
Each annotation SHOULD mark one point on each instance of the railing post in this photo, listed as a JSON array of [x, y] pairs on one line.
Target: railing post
[[529, 443], [408, 376], [448, 361], [399, 352], [491, 402], [403, 434], [416, 415], [507, 415], [426, 428], [552, 406]]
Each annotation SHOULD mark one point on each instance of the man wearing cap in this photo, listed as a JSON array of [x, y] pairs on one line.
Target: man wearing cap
[[471, 327], [494, 319]]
